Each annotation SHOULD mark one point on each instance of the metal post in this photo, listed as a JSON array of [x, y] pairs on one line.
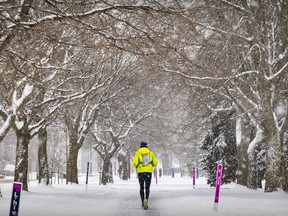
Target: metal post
[[87, 173]]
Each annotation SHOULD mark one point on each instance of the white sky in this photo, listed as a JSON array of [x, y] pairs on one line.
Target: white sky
[[171, 196]]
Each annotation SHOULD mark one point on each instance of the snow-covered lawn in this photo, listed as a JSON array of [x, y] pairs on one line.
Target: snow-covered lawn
[[171, 196]]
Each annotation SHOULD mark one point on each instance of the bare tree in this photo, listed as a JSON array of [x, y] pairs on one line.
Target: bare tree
[[123, 117]]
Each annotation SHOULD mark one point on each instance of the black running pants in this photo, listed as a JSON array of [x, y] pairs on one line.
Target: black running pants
[[145, 182]]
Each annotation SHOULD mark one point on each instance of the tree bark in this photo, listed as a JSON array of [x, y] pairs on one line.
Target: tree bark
[[72, 170], [128, 166], [270, 137], [106, 171], [283, 165], [252, 171], [42, 157], [166, 164], [242, 164], [256, 142], [242, 155], [21, 167], [125, 167], [274, 163], [273, 152], [273, 167]]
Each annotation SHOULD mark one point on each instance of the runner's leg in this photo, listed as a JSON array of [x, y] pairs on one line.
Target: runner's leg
[[148, 179], [141, 178]]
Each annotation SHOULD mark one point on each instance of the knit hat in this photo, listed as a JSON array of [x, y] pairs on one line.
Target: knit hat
[[143, 144]]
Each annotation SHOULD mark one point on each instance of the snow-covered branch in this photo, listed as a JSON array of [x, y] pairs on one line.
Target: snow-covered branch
[[215, 29], [278, 73], [9, 115], [192, 77], [238, 7]]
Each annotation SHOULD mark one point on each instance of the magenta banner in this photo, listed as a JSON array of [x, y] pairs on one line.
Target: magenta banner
[[193, 175], [218, 182]]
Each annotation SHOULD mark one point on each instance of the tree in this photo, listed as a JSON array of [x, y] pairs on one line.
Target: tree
[[114, 126], [220, 145], [79, 120]]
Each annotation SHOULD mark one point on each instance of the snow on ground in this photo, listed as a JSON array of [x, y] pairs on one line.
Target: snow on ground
[[171, 196]]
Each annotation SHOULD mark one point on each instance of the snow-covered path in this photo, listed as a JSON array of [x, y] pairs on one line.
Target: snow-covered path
[[170, 197]]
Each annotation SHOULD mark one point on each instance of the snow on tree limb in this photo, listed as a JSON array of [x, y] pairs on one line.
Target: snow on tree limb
[[9, 115], [215, 29], [4, 129], [235, 6], [278, 73], [16, 103], [193, 77], [258, 138]]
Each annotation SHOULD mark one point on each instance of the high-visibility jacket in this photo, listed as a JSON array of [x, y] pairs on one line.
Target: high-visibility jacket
[[137, 161]]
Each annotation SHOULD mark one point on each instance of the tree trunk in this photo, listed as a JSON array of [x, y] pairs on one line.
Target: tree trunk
[[42, 157], [256, 143], [272, 175], [270, 133], [72, 170], [252, 171], [242, 155], [21, 167], [242, 163], [166, 163], [273, 154], [125, 168], [261, 165], [106, 171], [129, 166], [284, 167]]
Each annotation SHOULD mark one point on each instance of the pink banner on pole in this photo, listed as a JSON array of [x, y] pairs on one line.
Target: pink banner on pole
[[193, 175], [218, 183]]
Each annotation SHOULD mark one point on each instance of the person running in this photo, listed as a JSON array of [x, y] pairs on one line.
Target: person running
[[144, 161]]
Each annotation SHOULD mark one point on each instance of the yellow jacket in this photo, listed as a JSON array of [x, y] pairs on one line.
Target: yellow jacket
[[137, 161]]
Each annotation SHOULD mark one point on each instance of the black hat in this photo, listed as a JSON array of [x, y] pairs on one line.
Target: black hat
[[143, 144]]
